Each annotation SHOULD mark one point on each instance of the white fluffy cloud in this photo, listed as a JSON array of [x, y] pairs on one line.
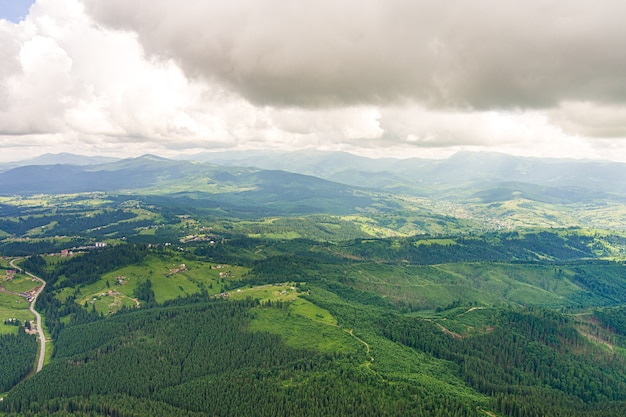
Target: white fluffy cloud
[[379, 77]]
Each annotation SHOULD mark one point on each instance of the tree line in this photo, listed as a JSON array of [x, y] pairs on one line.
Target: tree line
[[195, 357], [532, 363], [17, 357]]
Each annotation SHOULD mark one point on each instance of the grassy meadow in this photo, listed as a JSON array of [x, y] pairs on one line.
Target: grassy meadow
[[13, 306]]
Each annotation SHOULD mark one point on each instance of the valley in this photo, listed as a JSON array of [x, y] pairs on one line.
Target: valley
[[230, 289]]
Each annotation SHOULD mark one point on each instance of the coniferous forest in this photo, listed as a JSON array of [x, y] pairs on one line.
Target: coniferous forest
[[192, 305], [18, 356]]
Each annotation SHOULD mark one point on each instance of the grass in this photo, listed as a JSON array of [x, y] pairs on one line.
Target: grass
[[13, 306], [442, 242], [168, 279], [301, 323], [287, 293], [397, 362], [21, 283], [302, 332], [271, 292], [109, 302], [49, 345], [4, 264]]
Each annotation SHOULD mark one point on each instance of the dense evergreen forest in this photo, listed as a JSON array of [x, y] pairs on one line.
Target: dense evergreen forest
[[267, 318], [195, 356], [543, 245], [17, 358], [527, 355], [27, 248], [88, 267], [66, 224]]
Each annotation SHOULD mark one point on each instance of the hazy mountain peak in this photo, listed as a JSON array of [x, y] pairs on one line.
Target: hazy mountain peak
[[151, 157]]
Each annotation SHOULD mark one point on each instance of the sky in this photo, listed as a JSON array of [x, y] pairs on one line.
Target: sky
[[379, 78]]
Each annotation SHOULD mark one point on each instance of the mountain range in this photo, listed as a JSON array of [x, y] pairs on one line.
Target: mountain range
[[465, 176], [414, 174]]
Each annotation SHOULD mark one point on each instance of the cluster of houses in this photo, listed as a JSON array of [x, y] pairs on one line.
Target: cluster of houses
[[181, 268], [198, 238], [70, 252], [13, 322], [10, 274], [29, 295], [226, 274], [29, 326]]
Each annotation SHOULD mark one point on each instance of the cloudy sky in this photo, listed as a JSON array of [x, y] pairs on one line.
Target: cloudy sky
[[402, 78]]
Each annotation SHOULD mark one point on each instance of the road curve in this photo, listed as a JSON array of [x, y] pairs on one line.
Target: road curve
[[42, 337]]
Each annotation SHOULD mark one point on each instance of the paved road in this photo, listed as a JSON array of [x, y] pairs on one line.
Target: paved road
[[42, 337]]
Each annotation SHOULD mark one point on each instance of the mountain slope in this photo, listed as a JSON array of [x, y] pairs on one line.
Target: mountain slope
[[263, 191], [419, 176], [60, 158]]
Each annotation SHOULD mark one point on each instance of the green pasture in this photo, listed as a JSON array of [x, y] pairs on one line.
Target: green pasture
[[286, 293], [108, 302], [442, 242], [21, 283], [300, 322], [270, 292], [40, 231], [303, 333], [168, 279], [13, 306], [52, 261]]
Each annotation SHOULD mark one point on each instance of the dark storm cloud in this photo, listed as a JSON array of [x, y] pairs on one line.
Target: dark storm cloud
[[480, 54]]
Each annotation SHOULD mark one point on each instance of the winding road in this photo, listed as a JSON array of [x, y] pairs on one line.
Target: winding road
[[42, 337], [367, 346]]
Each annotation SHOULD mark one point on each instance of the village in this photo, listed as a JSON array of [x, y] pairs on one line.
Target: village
[[28, 295], [11, 275]]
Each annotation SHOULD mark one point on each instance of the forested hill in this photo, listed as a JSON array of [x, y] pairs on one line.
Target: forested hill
[[502, 247], [463, 175], [241, 192], [194, 357], [193, 303], [322, 329], [470, 169]]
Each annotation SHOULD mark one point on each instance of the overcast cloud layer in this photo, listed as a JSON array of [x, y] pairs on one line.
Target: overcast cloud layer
[[377, 77]]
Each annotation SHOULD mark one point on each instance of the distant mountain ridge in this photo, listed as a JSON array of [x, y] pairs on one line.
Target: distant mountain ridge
[[58, 158], [463, 176], [429, 176], [232, 189]]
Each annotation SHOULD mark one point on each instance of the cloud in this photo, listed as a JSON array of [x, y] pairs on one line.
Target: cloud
[[64, 74], [375, 77], [486, 54], [583, 118]]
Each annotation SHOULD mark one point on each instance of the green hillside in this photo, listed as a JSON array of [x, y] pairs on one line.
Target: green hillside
[[360, 327], [207, 290]]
